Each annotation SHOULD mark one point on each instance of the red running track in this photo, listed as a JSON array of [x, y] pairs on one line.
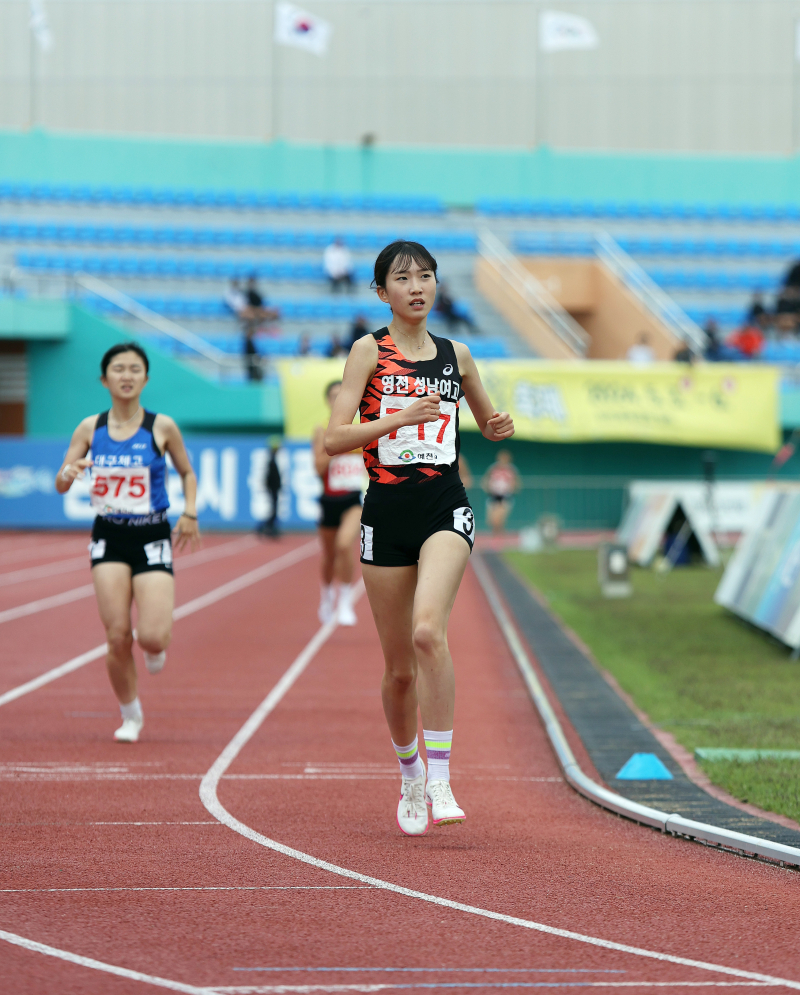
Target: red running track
[[109, 853]]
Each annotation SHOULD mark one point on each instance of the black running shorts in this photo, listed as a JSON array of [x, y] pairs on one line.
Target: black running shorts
[[398, 518], [142, 547], [334, 507]]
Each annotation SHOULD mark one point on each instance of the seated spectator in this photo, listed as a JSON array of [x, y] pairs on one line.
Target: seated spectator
[[757, 311], [358, 329], [641, 352], [786, 324], [712, 350], [338, 265], [749, 340], [450, 311], [792, 278], [684, 354], [337, 348], [258, 311]]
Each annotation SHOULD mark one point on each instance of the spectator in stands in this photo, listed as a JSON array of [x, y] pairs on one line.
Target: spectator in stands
[[712, 350], [446, 306], [304, 348], [338, 265], [749, 340], [684, 354], [641, 352], [259, 311], [358, 329], [757, 312], [786, 324], [252, 359], [792, 278], [236, 300], [337, 348]]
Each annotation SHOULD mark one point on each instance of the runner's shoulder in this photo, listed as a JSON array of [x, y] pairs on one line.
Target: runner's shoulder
[[463, 355]]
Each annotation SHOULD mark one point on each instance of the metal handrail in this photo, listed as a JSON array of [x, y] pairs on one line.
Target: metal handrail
[[647, 291], [175, 331], [533, 293]]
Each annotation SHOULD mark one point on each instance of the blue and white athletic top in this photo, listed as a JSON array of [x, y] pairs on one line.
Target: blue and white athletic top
[[128, 478]]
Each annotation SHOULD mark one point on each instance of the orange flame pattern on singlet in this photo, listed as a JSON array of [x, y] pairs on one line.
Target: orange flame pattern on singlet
[[391, 362]]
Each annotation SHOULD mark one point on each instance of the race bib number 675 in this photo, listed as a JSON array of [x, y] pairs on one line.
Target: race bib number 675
[[430, 442], [124, 490]]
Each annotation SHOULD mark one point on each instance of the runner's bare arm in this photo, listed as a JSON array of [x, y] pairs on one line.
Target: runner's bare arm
[[170, 440], [495, 425], [342, 435], [321, 458], [74, 463]]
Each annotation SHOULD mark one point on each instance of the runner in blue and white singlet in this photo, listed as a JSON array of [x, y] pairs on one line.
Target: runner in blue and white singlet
[[123, 452]]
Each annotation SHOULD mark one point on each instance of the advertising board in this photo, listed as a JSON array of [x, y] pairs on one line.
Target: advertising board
[[230, 472]]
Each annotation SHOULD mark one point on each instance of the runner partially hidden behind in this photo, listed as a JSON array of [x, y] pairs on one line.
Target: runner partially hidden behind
[[131, 547], [342, 478], [417, 526], [501, 482]]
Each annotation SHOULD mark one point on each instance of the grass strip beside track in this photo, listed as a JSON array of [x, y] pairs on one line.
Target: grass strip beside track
[[696, 670]]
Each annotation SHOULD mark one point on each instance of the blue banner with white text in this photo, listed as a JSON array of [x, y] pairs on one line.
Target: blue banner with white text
[[231, 491]]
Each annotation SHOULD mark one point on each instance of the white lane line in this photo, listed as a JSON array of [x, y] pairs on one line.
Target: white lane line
[[30, 551], [246, 580], [208, 796], [265, 887], [443, 970], [98, 965], [48, 776], [378, 987], [311, 989], [45, 570], [87, 590]]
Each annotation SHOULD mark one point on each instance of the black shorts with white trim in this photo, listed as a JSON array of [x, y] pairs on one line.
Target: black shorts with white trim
[[143, 547], [398, 518]]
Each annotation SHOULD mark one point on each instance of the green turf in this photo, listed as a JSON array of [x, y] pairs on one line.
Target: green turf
[[698, 671]]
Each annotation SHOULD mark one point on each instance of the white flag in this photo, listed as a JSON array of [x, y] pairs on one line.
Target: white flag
[[563, 32], [300, 29], [40, 26]]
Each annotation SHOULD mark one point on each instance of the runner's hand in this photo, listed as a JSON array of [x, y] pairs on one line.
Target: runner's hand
[[500, 426], [186, 532], [75, 471], [424, 410]]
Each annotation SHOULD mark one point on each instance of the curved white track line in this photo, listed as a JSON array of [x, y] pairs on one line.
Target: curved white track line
[[208, 795], [99, 965], [238, 584]]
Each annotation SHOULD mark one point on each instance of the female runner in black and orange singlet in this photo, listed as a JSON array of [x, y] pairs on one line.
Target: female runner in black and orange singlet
[[417, 526]]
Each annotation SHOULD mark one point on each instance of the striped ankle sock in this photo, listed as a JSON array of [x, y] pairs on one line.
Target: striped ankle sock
[[410, 762], [437, 746]]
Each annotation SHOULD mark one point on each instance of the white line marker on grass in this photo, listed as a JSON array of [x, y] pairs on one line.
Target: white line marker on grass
[[208, 796], [246, 580]]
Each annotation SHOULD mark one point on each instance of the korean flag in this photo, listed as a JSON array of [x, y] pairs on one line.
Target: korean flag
[[300, 29]]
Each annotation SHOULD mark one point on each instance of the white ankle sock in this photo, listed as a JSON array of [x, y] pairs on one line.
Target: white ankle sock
[[327, 595], [437, 747], [133, 710], [345, 595], [410, 761]]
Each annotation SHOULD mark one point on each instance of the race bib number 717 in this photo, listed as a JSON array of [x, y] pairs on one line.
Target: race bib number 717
[[430, 442]]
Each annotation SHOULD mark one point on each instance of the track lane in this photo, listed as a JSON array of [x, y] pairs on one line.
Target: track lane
[[530, 847]]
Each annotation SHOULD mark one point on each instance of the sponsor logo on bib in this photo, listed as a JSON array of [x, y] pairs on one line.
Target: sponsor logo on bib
[[448, 370], [406, 456]]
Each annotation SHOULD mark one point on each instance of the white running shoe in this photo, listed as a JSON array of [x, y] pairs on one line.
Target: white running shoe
[[412, 812], [444, 809], [155, 661], [129, 731], [345, 614], [327, 602]]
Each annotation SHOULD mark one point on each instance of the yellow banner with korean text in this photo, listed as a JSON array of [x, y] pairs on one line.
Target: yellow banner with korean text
[[729, 406], [723, 405]]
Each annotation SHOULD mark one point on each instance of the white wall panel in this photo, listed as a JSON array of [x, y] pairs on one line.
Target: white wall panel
[[700, 75]]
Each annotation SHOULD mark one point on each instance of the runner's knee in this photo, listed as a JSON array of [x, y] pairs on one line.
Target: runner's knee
[[119, 641], [153, 639], [398, 680], [429, 639]]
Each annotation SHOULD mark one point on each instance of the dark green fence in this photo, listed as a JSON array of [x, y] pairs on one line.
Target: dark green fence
[[578, 502]]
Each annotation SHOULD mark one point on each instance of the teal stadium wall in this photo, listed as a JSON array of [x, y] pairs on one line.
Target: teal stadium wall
[[64, 386], [459, 175]]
